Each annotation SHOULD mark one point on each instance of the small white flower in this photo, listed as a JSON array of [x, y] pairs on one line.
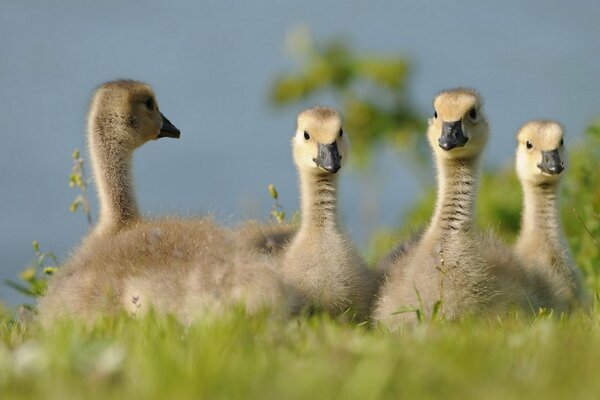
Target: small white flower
[[29, 358], [110, 360]]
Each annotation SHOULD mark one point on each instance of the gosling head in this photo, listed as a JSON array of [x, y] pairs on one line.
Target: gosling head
[[320, 143], [458, 128], [540, 152], [129, 111]]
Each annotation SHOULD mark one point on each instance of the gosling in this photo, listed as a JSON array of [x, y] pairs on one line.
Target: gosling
[[540, 161], [320, 263], [128, 264]]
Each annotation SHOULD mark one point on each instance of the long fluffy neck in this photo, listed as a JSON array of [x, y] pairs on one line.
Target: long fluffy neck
[[111, 163], [457, 181], [319, 201], [540, 220]]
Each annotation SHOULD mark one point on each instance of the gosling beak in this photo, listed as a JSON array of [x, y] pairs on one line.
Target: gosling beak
[[329, 158], [168, 129], [452, 135], [551, 162]]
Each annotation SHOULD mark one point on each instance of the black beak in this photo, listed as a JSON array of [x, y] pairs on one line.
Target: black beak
[[329, 158], [452, 135], [168, 129], [551, 162]]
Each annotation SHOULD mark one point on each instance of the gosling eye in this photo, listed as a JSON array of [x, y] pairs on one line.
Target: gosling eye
[[529, 145], [435, 114], [341, 132], [473, 114], [306, 135], [562, 142], [149, 104]]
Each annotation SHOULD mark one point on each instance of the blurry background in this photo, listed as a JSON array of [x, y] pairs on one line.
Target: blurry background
[[233, 77]]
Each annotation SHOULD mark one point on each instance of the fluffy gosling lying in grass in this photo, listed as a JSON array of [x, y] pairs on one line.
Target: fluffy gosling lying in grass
[[177, 266]]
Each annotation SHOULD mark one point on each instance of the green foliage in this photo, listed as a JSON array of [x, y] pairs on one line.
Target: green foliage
[[78, 179], [34, 278], [371, 91], [581, 203], [277, 211]]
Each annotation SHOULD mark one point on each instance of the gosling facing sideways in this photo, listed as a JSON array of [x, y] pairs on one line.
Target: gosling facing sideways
[[180, 266], [321, 263], [540, 161], [123, 116], [452, 267]]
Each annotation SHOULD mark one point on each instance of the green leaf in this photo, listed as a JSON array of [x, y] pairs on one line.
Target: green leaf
[[405, 310], [273, 191], [19, 288]]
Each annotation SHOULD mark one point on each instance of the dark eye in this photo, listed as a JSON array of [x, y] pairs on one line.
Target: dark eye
[[341, 132], [435, 114], [473, 113], [562, 142], [529, 145], [149, 103], [306, 135]]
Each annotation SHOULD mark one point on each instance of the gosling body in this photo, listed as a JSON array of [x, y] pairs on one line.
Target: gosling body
[[269, 238], [183, 267]]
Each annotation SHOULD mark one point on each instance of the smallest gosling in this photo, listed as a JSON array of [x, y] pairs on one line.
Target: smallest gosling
[[320, 263], [540, 161]]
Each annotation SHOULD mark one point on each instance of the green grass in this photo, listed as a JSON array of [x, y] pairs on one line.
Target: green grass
[[234, 356]]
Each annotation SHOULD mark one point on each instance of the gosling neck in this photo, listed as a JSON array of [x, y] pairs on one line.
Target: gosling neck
[[319, 201], [457, 187], [111, 165], [540, 220]]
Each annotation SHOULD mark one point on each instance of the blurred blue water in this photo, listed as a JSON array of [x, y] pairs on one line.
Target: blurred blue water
[[210, 63]]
